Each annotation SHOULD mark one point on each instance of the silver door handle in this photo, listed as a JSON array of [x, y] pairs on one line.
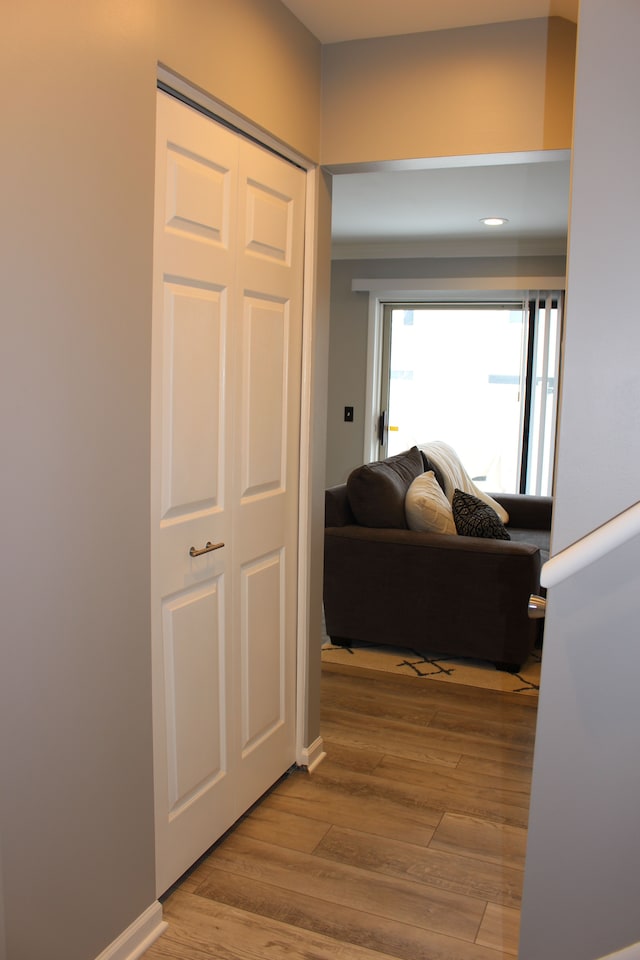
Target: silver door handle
[[208, 547], [537, 607]]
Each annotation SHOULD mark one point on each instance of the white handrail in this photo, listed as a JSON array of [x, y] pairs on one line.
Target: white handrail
[[591, 547]]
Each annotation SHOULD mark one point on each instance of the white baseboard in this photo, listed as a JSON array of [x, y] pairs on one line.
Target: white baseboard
[[311, 756], [632, 952], [138, 937]]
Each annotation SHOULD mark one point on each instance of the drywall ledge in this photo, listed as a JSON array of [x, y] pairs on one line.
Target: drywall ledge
[[594, 546], [631, 952]]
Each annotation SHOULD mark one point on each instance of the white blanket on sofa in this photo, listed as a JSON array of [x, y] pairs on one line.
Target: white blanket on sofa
[[454, 475]]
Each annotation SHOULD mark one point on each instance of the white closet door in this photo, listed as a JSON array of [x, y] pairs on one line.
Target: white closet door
[[266, 384], [228, 253]]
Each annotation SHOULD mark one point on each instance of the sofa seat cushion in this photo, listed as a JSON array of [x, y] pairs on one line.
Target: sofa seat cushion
[[426, 507], [377, 491], [539, 538]]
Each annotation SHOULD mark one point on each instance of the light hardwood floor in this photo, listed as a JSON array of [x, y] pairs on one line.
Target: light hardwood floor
[[408, 841]]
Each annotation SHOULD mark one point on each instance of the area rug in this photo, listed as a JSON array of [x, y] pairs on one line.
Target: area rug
[[426, 666]]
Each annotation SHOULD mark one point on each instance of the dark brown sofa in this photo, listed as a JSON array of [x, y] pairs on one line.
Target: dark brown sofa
[[458, 595]]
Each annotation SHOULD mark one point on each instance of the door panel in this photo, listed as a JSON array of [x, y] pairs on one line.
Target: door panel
[[264, 408], [197, 196], [192, 652], [225, 452], [194, 402], [269, 222], [263, 649]]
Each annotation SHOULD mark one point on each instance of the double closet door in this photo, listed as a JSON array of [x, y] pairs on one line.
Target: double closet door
[[228, 267]]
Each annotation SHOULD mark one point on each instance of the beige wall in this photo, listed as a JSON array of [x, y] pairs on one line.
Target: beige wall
[[349, 332], [505, 87], [78, 114], [254, 56]]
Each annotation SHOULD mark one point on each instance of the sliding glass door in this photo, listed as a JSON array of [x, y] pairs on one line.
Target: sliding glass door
[[483, 378]]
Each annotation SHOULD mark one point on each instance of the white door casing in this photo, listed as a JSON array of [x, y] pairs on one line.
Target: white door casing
[[228, 266]]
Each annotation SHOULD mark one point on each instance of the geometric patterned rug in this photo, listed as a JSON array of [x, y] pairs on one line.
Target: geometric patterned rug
[[426, 666]]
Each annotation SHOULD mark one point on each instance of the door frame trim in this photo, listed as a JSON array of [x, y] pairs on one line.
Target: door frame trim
[[218, 111]]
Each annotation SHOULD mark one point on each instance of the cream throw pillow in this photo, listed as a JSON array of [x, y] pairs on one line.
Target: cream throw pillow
[[426, 507]]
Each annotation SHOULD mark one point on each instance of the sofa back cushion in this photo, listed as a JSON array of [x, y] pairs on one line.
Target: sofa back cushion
[[377, 491]]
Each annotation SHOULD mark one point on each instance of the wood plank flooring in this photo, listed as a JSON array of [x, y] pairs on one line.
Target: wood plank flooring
[[407, 842]]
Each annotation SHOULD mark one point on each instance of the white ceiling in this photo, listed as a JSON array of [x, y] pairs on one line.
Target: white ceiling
[[437, 209]]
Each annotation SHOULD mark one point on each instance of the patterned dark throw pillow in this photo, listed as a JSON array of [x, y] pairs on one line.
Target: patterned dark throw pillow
[[474, 518]]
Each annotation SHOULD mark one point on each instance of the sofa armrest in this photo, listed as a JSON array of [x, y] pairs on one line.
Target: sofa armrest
[[337, 512], [526, 512], [436, 547]]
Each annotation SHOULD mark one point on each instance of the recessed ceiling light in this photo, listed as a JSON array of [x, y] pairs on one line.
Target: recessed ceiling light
[[494, 221]]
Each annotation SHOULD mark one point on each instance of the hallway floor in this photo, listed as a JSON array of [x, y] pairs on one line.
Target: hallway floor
[[408, 840]]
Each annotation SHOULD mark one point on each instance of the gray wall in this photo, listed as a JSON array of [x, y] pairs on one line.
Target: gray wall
[[77, 791], [3, 938], [349, 330], [581, 882]]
